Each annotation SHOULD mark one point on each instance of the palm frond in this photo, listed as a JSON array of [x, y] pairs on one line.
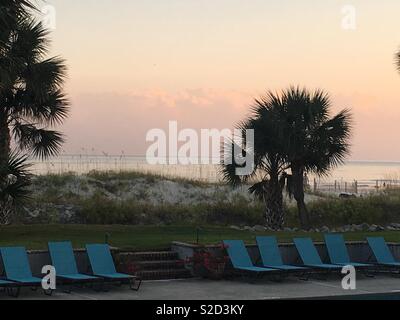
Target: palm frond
[[330, 143], [15, 180], [229, 166], [11, 10], [398, 60], [259, 189], [30, 42], [268, 136], [18, 165], [31, 86], [43, 143], [47, 111], [44, 76]]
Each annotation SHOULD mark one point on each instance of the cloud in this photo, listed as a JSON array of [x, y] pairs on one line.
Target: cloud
[[114, 122]]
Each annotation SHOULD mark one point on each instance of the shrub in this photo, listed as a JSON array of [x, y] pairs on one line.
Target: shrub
[[101, 210], [374, 209]]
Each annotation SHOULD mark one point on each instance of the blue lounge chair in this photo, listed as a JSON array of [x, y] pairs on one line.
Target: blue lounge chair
[[103, 266], [5, 283], [63, 259], [382, 252], [310, 256], [17, 269], [241, 260], [338, 253], [271, 256]]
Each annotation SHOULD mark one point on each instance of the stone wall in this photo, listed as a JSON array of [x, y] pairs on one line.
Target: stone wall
[[358, 251], [38, 259]]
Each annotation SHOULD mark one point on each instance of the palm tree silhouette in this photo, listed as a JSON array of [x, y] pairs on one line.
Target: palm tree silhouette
[[398, 60], [10, 12], [268, 178], [31, 98], [293, 132], [314, 141]]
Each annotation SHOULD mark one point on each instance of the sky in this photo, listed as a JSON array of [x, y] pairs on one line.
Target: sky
[[136, 65]]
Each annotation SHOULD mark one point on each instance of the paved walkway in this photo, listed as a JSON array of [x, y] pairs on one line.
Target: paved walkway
[[228, 290]]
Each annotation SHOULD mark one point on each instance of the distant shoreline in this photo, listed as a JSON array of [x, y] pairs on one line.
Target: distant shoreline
[[142, 157]]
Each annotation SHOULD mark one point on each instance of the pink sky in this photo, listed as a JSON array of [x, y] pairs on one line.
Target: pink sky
[[135, 65]]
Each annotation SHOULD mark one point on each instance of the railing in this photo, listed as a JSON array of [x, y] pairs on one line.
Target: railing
[[354, 187], [82, 164]]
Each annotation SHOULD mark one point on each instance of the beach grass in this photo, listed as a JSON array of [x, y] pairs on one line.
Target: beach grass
[[143, 238]]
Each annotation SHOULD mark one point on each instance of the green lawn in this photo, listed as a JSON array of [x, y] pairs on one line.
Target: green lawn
[[144, 237]]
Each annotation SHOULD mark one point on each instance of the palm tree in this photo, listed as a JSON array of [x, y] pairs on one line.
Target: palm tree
[[293, 130], [31, 98], [315, 141], [398, 60], [10, 12], [269, 175], [13, 186]]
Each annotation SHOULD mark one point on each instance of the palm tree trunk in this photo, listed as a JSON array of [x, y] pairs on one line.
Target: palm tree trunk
[[4, 142], [4, 154], [298, 193], [274, 205]]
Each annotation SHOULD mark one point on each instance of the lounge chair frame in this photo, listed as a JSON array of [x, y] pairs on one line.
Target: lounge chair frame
[[61, 253], [269, 245], [245, 270], [319, 268], [134, 282], [383, 267], [339, 255], [21, 254]]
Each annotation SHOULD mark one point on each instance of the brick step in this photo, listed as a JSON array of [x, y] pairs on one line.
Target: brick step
[[164, 274], [159, 264], [151, 256]]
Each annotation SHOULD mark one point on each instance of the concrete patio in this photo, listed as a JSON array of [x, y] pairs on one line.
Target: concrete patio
[[196, 289]]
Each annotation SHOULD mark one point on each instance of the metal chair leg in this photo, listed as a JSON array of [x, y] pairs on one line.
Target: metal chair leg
[[132, 284], [48, 292], [11, 293]]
